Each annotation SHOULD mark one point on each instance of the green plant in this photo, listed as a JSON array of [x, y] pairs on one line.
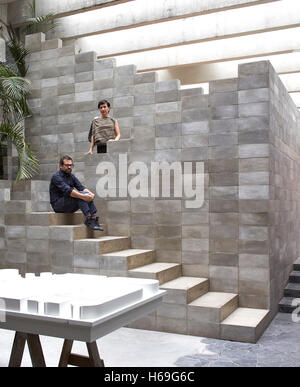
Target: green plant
[[14, 90], [34, 23]]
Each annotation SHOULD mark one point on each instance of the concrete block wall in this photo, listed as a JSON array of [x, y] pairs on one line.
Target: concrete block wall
[[241, 131], [284, 204]]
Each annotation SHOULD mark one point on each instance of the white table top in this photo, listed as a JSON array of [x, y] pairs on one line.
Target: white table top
[[73, 306]]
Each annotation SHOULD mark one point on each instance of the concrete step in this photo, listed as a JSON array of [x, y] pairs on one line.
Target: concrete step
[[287, 304], [245, 324], [19, 195], [126, 259], [17, 206], [205, 314], [102, 245], [214, 306], [295, 277], [75, 232], [297, 264], [161, 271], [56, 219], [292, 290], [184, 290]]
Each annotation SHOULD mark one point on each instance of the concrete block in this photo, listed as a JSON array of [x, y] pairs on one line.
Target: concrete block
[[37, 246], [168, 130], [223, 165], [223, 179], [15, 232], [141, 78], [86, 57], [223, 99], [254, 109], [193, 141], [194, 102], [37, 232], [194, 91], [253, 151], [253, 95], [200, 127], [104, 64], [194, 154], [223, 193], [167, 96], [224, 206], [84, 67], [191, 115], [224, 85], [103, 83], [254, 178], [168, 142], [254, 206], [223, 139], [256, 81], [221, 152], [254, 192], [224, 259], [223, 126], [144, 99], [254, 137], [254, 219], [253, 233], [195, 245], [84, 86], [261, 67], [253, 164], [253, 123], [224, 112], [123, 102]]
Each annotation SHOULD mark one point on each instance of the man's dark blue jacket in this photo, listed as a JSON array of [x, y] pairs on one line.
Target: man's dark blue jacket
[[62, 184]]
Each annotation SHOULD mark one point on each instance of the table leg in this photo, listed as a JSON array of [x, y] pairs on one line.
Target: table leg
[[68, 358], [35, 350], [17, 350], [94, 355], [65, 353]]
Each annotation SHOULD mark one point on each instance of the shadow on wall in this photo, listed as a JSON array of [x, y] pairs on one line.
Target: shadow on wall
[[3, 152]]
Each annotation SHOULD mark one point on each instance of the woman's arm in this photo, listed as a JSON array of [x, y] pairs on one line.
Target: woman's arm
[[117, 131], [90, 152]]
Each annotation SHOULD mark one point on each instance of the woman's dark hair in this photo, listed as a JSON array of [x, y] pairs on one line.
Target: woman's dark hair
[[65, 157], [103, 102]]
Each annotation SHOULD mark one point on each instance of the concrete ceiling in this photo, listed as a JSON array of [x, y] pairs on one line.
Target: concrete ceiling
[[196, 41]]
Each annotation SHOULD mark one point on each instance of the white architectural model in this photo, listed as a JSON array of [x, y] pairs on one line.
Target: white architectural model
[[73, 306]]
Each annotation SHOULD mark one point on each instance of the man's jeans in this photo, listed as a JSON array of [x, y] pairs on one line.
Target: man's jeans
[[69, 205]]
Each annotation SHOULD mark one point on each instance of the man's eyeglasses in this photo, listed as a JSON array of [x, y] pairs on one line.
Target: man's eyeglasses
[[68, 165]]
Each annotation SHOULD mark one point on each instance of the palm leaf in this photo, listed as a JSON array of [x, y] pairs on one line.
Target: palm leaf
[[17, 50], [36, 23], [13, 93], [28, 163]]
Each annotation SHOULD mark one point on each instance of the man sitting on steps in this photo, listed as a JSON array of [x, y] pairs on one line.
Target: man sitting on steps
[[67, 194]]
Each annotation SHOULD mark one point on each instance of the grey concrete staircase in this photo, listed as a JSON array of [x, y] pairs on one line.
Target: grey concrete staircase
[[189, 306], [292, 290]]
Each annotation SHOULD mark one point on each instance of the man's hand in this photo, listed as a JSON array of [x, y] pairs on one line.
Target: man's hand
[[88, 197]]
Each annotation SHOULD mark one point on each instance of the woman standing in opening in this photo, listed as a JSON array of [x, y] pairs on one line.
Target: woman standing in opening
[[104, 128]]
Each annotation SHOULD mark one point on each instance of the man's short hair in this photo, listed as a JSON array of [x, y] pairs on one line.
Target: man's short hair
[[65, 157], [103, 102]]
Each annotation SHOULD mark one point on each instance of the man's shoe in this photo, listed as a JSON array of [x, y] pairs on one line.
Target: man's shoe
[[97, 224], [93, 224]]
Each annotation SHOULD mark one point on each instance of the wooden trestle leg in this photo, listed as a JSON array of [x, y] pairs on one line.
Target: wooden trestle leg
[[35, 350], [68, 358]]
